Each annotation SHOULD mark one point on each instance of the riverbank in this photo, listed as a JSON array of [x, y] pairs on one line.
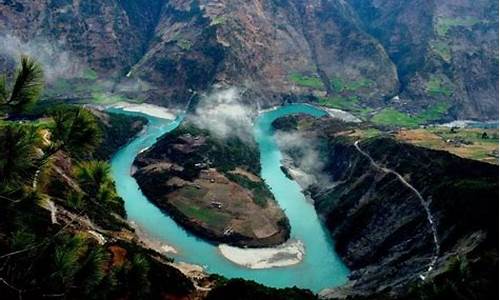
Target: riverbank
[[287, 254], [188, 175], [147, 109], [319, 268], [332, 112]]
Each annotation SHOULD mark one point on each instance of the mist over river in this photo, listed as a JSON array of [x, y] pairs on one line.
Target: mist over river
[[320, 267]]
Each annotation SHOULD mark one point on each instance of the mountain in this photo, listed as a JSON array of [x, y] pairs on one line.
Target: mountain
[[399, 213], [414, 56]]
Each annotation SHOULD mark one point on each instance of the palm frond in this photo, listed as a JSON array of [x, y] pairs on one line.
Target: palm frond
[[93, 176], [28, 85], [19, 148], [3, 89], [75, 130]]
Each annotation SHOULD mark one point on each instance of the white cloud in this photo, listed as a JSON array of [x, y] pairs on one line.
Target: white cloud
[[307, 158], [56, 62], [222, 113]]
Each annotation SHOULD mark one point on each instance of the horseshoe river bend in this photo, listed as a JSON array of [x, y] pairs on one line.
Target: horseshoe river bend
[[320, 266]]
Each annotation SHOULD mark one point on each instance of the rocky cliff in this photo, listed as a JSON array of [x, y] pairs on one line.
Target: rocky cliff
[[402, 217], [338, 53], [445, 51]]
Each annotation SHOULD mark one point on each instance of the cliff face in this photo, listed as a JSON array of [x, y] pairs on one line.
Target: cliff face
[[108, 35], [382, 229], [117, 131], [262, 46], [445, 51], [365, 52]]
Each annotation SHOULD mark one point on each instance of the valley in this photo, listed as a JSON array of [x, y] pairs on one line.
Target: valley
[[237, 149], [408, 64]]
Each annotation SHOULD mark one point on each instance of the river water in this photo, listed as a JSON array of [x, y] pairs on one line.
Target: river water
[[321, 267]]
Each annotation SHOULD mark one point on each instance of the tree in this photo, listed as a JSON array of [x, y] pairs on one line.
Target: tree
[[139, 273], [100, 197], [27, 87], [19, 155], [75, 131], [94, 178]]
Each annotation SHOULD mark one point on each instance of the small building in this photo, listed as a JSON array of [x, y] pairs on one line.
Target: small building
[[216, 204]]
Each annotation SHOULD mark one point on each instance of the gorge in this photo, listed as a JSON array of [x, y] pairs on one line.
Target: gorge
[[323, 267]]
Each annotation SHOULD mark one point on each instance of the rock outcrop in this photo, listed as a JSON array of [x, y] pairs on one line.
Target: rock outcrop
[[381, 228], [365, 52]]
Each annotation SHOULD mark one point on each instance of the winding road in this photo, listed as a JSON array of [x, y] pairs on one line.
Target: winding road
[[424, 204]]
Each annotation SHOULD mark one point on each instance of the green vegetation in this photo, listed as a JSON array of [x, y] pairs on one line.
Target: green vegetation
[[393, 117], [75, 131], [460, 281], [239, 289], [25, 90], [218, 20], [105, 98], [444, 24], [346, 103], [313, 82], [46, 162], [19, 158], [116, 131], [225, 153], [260, 190], [208, 216], [89, 74], [184, 44], [434, 112], [437, 87], [442, 49], [472, 143]]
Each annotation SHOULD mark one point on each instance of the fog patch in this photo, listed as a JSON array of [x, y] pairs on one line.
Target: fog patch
[[224, 115], [309, 166], [56, 63]]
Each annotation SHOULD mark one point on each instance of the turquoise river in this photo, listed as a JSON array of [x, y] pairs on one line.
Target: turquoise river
[[321, 267]]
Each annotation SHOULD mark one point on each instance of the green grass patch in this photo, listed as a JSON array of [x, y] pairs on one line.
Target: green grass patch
[[73, 86], [474, 135], [368, 132], [354, 85], [340, 102], [393, 117], [259, 190], [89, 74], [436, 87], [444, 24], [218, 20], [347, 103], [313, 82], [192, 192], [184, 44], [442, 49], [208, 216], [434, 112]]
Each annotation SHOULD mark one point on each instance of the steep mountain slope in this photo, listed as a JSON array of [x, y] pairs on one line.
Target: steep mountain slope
[[264, 47], [445, 51], [108, 35], [349, 54], [410, 214]]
